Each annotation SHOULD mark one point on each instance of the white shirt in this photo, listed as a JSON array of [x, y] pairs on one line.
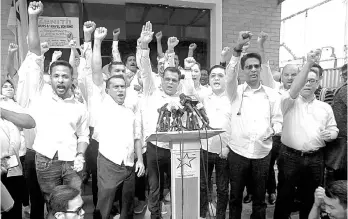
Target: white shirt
[[60, 125], [303, 122], [118, 128], [218, 109]]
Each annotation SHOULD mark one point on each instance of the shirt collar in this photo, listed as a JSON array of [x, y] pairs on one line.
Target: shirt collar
[[246, 87], [57, 98], [311, 100]]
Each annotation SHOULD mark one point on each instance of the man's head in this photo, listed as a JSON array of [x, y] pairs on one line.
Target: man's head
[[289, 73], [160, 66], [318, 70], [61, 78], [131, 62], [196, 73], [8, 89], [217, 79], [251, 67], [311, 85], [336, 199], [344, 73], [176, 61], [116, 88], [65, 202], [204, 77], [116, 68], [171, 80]]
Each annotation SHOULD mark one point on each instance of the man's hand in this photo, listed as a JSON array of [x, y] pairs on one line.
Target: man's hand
[[78, 163], [172, 43], [56, 55], [146, 35], [319, 195], [100, 33], [140, 168], [35, 8], [224, 153], [12, 48], [72, 44], [189, 62], [137, 87], [326, 135], [116, 33], [269, 134], [224, 54], [261, 39], [314, 56], [193, 47], [4, 162], [159, 36], [44, 47], [89, 27], [243, 38]]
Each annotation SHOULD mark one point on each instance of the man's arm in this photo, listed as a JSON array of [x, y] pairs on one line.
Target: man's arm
[[74, 56], [223, 56], [82, 132], [11, 71], [318, 199], [97, 75], [21, 120], [145, 63], [159, 36], [34, 11], [301, 78], [116, 57], [170, 53], [192, 48], [277, 117]]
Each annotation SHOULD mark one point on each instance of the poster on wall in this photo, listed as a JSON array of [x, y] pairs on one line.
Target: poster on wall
[[55, 31]]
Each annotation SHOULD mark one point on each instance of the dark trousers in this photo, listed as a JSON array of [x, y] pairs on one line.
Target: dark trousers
[[110, 177], [271, 181], [304, 171], [140, 183], [37, 201], [13, 185], [91, 163], [24, 188], [208, 161], [158, 162], [239, 168]]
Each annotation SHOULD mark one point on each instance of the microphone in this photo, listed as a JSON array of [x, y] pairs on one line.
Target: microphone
[[160, 117], [186, 101], [201, 110]]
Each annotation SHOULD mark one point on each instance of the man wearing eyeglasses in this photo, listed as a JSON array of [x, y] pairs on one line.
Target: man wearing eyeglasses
[[255, 118], [308, 124], [65, 202]]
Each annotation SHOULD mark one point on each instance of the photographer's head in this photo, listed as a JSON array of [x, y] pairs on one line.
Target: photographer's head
[[65, 202], [171, 80], [336, 199]]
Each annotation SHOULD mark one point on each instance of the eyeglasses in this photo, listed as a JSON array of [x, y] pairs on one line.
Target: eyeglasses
[[78, 211], [249, 67], [312, 81]]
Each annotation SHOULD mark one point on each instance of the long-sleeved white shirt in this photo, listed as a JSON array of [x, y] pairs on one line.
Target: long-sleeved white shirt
[[259, 113]]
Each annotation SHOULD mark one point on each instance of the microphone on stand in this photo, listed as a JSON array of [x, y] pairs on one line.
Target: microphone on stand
[[160, 117], [201, 110]]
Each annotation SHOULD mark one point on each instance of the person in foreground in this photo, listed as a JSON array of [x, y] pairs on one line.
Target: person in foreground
[[65, 202], [332, 201]]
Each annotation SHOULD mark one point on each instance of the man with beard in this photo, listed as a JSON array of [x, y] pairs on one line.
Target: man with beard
[[308, 124], [255, 118], [62, 132]]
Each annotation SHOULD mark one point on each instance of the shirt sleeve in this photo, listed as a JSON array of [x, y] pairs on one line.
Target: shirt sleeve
[[286, 102], [277, 117], [146, 73], [232, 74], [82, 130], [137, 125], [331, 124]]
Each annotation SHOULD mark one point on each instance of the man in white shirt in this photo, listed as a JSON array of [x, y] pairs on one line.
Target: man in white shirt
[[119, 138], [308, 124], [255, 118], [61, 132], [215, 150]]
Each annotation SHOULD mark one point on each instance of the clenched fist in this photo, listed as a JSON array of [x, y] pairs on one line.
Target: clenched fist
[[12, 48], [172, 43], [159, 36], [224, 54], [193, 46], [35, 8], [314, 56], [261, 39], [44, 47], [116, 33], [243, 38], [100, 33], [89, 27], [56, 55]]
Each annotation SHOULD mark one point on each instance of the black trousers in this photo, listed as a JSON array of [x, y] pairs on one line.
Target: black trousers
[[240, 169], [25, 191], [140, 183], [304, 171], [271, 181], [13, 185], [158, 163], [91, 162]]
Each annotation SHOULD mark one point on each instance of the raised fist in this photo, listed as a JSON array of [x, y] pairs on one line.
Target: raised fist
[[172, 42], [146, 33], [261, 39], [44, 47], [72, 43], [159, 35], [12, 48], [35, 8], [89, 27], [193, 46], [189, 62], [100, 33], [314, 56], [319, 195], [225, 51], [56, 55], [116, 32], [246, 47], [243, 38]]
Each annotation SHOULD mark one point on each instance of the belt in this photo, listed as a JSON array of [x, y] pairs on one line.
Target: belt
[[302, 153]]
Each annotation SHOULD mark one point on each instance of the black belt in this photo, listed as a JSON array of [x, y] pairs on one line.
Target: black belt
[[302, 153]]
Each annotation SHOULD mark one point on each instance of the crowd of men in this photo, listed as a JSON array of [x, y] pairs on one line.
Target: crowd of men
[[81, 112]]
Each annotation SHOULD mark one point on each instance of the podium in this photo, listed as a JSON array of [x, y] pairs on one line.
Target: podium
[[185, 169]]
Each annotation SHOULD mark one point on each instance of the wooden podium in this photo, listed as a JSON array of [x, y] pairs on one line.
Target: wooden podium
[[185, 169]]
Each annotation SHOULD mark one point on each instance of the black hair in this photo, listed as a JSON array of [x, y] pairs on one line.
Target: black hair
[[344, 69], [337, 189], [199, 65], [63, 63], [114, 63], [320, 73], [214, 67], [115, 76], [127, 56], [249, 56], [60, 197], [173, 69]]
